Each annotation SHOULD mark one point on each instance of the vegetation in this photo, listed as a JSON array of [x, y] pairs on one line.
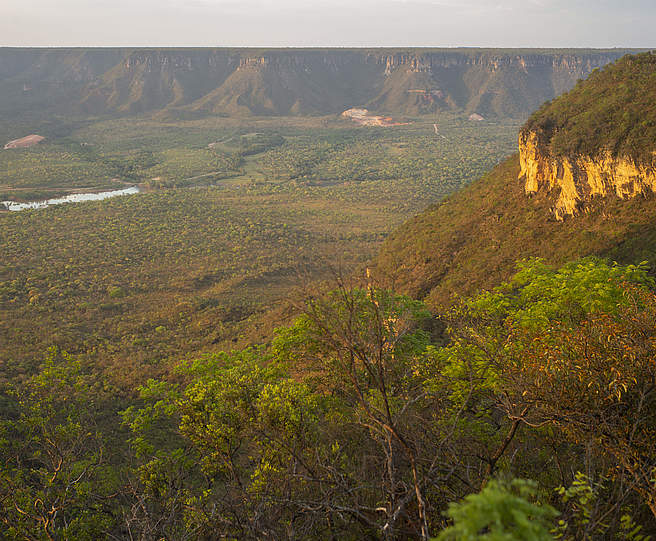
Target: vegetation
[[363, 420], [613, 110], [435, 255], [500, 512], [145, 394], [140, 281], [157, 154]]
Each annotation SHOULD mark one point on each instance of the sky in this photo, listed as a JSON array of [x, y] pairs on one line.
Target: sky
[[329, 23]]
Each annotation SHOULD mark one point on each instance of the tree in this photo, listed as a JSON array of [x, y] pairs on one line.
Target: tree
[[368, 347], [55, 482], [572, 348], [329, 434], [598, 383], [500, 512]]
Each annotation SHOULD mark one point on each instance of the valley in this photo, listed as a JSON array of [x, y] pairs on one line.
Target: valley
[[233, 217], [343, 294]]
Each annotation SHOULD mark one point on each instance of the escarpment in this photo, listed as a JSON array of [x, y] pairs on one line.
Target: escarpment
[[576, 180], [234, 82], [598, 140], [587, 155]]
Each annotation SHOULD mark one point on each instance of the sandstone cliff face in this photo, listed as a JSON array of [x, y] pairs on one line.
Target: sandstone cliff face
[[576, 180]]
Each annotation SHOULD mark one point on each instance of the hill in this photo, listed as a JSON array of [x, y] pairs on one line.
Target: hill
[[236, 82], [597, 140], [553, 200]]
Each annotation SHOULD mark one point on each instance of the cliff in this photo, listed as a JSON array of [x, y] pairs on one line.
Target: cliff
[[577, 180], [596, 141], [502, 83]]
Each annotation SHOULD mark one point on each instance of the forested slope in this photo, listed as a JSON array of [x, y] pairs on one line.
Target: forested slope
[[523, 207]]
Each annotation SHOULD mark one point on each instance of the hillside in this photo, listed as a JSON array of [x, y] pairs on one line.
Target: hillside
[[199, 82], [612, 111], [597, 140], [523, 208]]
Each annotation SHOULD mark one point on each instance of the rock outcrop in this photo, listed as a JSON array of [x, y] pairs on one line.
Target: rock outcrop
[[576, 180]]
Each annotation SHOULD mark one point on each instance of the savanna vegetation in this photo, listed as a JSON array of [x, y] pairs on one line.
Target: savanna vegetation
[[201, 361], [153, 153], [526, 412], [137, 282]]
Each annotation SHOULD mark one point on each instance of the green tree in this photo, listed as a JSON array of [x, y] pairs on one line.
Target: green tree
[[500, 512], [55, 480], [571, 348]]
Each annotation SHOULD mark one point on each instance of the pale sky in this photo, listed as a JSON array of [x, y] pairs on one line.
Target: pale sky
[[334, 23]]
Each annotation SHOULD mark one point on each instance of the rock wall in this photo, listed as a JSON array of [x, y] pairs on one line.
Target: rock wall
[[576, 180]]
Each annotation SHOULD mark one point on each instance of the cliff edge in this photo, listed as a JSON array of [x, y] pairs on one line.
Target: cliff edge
[[587, 156], [238, 82], [598, 140]]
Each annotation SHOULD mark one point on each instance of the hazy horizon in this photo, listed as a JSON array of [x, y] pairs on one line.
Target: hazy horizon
[[335, 23]]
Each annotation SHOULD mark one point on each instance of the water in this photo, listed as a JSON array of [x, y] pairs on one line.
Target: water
[[73, 198]]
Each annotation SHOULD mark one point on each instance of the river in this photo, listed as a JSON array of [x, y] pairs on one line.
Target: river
[[72, 198]]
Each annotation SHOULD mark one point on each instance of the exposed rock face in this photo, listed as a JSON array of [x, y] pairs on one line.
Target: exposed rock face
[[364, 118], [290, 81], [576, 180]]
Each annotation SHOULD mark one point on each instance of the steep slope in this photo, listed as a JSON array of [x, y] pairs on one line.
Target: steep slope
[[289, 81], [598, 139], [472, 239]]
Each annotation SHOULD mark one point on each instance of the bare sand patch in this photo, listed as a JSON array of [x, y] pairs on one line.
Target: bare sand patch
[[365, 118], [25, 142]]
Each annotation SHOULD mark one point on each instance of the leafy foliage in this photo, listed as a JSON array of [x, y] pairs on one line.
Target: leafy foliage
[[571, 348], [366, 419], [56, 480], [500, 512]]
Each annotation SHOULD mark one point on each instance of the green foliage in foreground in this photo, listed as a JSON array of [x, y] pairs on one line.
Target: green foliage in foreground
[[500, 512], [539, 294], [56, 481], [367, 419]]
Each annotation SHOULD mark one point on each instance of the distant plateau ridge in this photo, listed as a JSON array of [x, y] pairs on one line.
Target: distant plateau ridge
[[243, 82]]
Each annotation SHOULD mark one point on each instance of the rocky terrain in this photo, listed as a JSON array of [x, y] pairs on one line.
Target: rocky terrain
[[24, 142], [578, 179]]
